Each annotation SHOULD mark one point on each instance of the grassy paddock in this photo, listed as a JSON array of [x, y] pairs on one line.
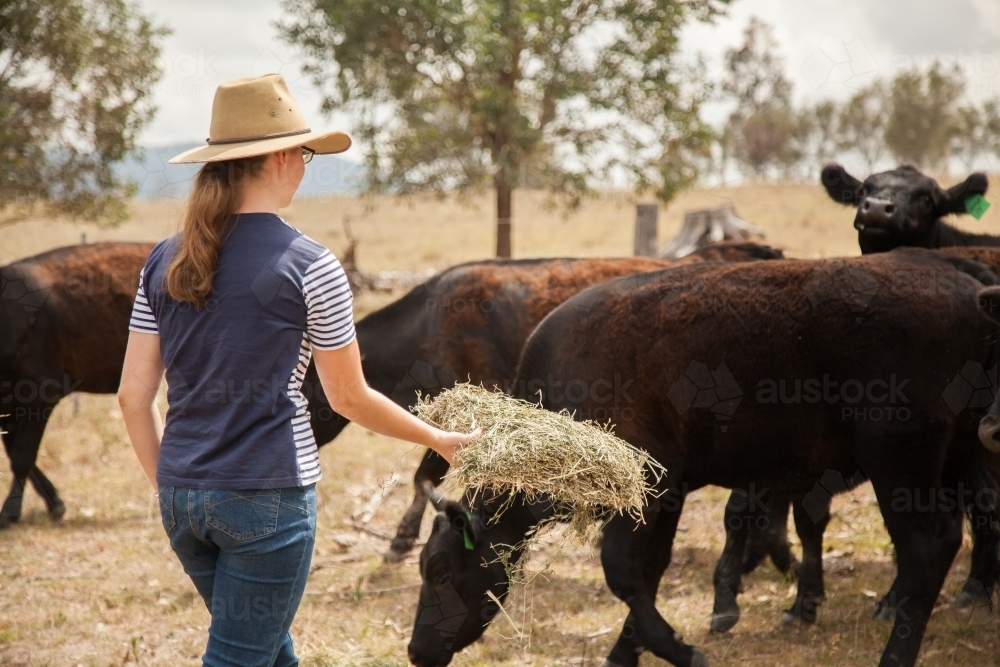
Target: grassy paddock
[[102, 587]]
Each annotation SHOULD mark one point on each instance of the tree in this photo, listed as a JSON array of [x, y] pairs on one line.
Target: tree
[[921, 119], [755, 72], [75, 86], [991, 127], [460, 95], [861, 123], [823, 138], [767, 140], [763, 124], [968, 138]]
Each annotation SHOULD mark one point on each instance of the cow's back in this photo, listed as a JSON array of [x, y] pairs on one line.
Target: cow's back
[[68, 311], [709, 356]]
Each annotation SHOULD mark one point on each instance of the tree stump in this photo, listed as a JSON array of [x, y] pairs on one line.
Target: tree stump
[[707, 226]]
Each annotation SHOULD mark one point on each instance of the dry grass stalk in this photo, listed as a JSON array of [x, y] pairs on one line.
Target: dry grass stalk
[[579, 465]]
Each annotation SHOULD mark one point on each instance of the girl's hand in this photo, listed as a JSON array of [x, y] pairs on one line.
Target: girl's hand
[[449, 442]]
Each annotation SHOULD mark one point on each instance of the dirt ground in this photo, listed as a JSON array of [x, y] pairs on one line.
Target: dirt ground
[[102, 587]]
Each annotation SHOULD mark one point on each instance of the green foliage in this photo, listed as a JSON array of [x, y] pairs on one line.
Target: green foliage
[[74, 93], [460, 95], [755, 74], [861, 124], [918, 117], [763, 128], [921, 121]]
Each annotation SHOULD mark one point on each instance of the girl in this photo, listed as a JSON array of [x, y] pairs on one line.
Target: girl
[[231, 310]]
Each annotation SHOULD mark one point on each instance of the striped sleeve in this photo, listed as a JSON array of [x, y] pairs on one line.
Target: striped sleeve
[[329, 304], [142, 315]]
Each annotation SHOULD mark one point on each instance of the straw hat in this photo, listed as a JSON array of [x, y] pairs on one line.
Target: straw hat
[[256, 116]]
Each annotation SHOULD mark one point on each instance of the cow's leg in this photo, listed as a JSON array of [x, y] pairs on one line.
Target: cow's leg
[[885, 609], [22, 439], [811, 591], [771, 539], [926, 548], [985, 570], [429, 474], [633, 559], [726, 580], [775, 535], [926, 543], [47, 490]]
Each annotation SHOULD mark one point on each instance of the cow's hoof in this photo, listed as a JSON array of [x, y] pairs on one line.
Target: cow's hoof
[[725, 621], [884, 611], [392, 556], [608, 663], [698, 659], [57, 510], [7, 521], [973, 594], [970, 600], [790, 620]]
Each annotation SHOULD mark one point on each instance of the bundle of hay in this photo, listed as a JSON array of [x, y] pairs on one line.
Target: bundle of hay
[[581, 466]]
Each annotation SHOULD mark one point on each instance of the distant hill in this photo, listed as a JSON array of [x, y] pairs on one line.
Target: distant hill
[[326, 174]]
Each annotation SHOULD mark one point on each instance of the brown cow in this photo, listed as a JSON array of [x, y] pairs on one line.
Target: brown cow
[[64, 317]]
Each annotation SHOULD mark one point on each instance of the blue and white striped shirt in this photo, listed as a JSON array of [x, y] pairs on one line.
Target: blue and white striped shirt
[[237, 416]]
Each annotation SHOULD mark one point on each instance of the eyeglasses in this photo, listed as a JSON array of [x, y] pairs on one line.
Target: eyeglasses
[[307, 154]]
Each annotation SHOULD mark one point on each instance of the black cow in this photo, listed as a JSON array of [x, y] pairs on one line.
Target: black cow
[[897, 208], [903, 207], [696, 341]]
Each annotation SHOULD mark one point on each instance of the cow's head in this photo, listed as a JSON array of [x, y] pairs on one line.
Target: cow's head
[[458, 565], [900, 206], [989, 427]]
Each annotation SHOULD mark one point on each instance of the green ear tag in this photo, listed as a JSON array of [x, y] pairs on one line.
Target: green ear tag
[[976, 205], [465, 532]]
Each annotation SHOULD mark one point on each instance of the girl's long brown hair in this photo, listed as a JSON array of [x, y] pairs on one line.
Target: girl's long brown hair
[[217, 194]]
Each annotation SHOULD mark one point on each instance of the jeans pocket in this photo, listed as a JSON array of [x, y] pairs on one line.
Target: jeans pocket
[[166, 496], [301, 499], [243, 514]]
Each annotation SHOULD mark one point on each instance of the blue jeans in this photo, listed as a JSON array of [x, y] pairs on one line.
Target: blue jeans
[[248, 554]]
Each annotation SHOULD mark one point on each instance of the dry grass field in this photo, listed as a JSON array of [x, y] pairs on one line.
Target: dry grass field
[[102, 587]]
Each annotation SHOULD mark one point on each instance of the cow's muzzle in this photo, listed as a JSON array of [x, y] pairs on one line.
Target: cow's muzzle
[[876, 214]]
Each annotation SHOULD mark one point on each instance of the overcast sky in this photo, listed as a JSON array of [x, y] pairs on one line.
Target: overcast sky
[[831, 47]]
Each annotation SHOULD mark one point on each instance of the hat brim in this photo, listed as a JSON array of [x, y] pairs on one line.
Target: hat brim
[[324, 143]]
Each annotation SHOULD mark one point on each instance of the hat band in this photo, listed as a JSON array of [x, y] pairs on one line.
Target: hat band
[[259, 137]]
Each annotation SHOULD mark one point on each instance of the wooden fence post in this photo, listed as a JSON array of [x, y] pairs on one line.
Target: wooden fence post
[[646, 217]]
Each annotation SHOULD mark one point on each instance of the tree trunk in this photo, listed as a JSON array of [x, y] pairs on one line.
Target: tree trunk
[[503, 211]]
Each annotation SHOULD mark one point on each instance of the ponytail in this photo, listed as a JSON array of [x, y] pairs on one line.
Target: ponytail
[[217, 194]]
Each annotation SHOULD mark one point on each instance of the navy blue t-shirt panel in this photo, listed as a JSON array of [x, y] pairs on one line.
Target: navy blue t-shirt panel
[[228, 366]]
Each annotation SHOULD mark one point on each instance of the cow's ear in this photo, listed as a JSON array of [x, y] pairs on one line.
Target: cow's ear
[[956, 196], [841, 186], [989, 303], [460, 519]]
